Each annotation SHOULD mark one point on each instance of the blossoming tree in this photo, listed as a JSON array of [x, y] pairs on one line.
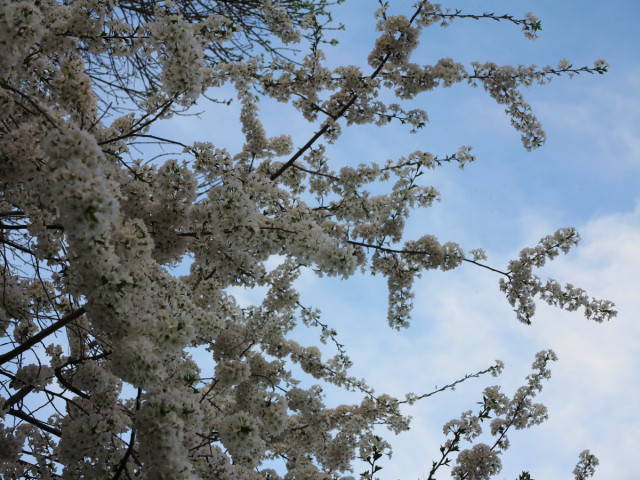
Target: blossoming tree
[[98, 372]]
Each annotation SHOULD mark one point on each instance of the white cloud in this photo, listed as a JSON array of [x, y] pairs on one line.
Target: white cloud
[[462, 323]]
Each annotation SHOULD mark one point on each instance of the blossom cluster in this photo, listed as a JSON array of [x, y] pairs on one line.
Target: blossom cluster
[[522, 285], [480, 460]]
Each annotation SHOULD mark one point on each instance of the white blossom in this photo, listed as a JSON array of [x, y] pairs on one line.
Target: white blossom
[[98, 327]]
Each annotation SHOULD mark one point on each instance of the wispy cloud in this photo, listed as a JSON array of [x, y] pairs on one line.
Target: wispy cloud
[[462, 323]]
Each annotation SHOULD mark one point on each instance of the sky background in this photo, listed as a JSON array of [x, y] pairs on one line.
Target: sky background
[[586, 176]]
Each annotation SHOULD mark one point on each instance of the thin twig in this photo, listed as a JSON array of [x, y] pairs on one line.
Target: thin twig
[[41, 335]]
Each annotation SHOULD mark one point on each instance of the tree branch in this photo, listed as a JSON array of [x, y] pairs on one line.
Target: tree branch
[[35, 422], [41, 335]]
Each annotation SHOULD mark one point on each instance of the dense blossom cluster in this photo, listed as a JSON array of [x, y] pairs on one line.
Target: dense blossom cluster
[[88, 233], [522, 286]]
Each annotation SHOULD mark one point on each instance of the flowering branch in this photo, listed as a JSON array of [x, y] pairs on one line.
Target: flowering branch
[[44, 333]]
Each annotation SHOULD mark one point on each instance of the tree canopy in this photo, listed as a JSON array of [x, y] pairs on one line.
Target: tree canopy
[[102, 366]]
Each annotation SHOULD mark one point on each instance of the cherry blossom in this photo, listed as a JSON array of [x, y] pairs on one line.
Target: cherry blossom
[[102, 355]]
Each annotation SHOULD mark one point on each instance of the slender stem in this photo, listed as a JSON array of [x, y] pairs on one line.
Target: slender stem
[[132, 441], [35, 422], [18, 396], [312, 140], [452, 385], [40, 109], [41, 335], [342, 111], [418, 252], [506, 274]]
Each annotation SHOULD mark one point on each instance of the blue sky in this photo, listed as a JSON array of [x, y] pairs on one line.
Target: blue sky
[[586, 176]]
